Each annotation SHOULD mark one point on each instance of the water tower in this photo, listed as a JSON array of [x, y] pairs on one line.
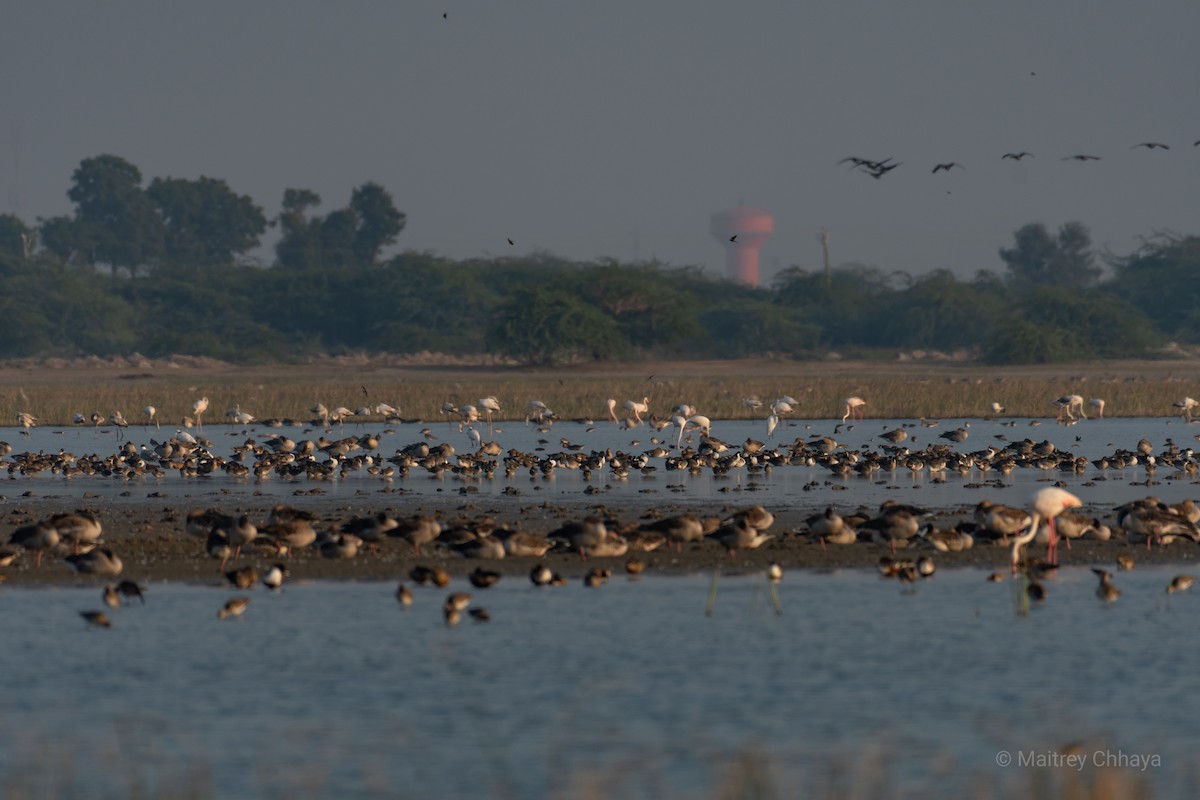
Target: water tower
[[751, 227]]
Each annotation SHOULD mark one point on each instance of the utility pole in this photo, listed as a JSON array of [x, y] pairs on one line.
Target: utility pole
[[824, 237]]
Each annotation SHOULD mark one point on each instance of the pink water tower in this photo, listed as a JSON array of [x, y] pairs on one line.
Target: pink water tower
[[742, 230]]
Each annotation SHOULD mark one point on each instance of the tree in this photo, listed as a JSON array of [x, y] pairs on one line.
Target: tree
[[1039, 259], [543, 325], [378, 222], [207, 224], [16, 238], [116, 223], [300, 245]]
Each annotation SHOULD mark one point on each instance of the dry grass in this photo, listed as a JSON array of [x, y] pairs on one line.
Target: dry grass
[[716, 389]]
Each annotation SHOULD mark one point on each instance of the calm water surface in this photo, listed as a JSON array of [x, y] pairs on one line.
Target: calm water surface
[[332, 688]]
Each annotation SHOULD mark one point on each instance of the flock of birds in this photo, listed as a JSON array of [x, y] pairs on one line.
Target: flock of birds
[[1053, 513], [878, 168], [76, 538]]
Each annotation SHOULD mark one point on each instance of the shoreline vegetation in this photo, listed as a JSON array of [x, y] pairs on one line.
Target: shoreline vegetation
[[53, 390]]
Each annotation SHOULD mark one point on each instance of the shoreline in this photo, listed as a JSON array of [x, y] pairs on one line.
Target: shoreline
[[151, 541]]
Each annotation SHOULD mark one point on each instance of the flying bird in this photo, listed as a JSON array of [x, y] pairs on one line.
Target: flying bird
[[949, 165], [733, 238], [1151, 146], [510, 241], [1081, 157], [1016, 156]]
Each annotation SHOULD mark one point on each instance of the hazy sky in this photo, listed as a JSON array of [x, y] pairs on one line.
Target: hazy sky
[[616, 128]]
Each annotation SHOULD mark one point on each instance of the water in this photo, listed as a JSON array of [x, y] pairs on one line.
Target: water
[[784, 487], [332, 689]]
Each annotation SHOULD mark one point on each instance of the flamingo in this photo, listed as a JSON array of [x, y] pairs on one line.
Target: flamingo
[[1185, 407], [26, 421], [637, 409], [1068, 404], [198, 409], [450, 410], [1048, 503], [116, 418], [150, 413], [1097, 404], [854, 408], [490, 405]]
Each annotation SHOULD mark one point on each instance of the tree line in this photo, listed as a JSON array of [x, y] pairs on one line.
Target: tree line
[[162, 268]]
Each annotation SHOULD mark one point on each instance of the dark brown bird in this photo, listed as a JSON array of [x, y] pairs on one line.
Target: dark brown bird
[[480, 615], [96, 619], [1081, 157], [510, 241], [1016, 156], [131, 589], [733, 238], [1151, 146], [949, 165], [482, 578]]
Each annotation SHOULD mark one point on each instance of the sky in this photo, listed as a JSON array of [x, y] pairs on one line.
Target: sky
[[616, 129]]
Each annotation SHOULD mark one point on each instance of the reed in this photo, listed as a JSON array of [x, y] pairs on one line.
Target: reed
[[716, 389]]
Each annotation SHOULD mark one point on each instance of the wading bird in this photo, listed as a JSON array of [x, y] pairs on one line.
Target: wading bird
[[1048, 503]]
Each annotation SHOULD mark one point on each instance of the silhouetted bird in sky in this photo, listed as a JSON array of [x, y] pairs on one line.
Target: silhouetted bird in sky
[[510, 241], [1151, 146], [733, 238], [1081, 157], [949, 165], [1016, 156]]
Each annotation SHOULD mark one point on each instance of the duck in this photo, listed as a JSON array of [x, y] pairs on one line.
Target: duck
[[101, 561]]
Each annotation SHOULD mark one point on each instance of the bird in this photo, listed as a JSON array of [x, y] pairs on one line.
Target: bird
[[242, 578], [100, 561], [150, 412], [1180, 583], [636, 409], [854, 408], [997, 409], [1048, 503], [273, 577], [1097, 405], [482, 578], [490, 405], [131, 589], [946, 167], [1016, 156], [1106, 591], [1068, 406], [96, 619], [198, 409], [1081, 157], [510, 241], [117, 420], [733, 238], [1185, 407], [26, 421], [404, 596], [1151, 146], [234, 607], [111, 596]]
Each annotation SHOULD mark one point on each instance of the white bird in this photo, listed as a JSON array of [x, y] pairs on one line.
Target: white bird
[[772, 424], [782, 406], [997, 409], [26, 421], [1048, 503], [1068, 406], [854, 408], [1185, 407], [473, 435], [752, 402], [198, 409], [637, 409], [151, 416], [490, 405], [385, 410], [1097, 404]]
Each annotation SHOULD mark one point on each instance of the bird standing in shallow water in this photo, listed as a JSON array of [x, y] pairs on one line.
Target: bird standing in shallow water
[[1048, 503]]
